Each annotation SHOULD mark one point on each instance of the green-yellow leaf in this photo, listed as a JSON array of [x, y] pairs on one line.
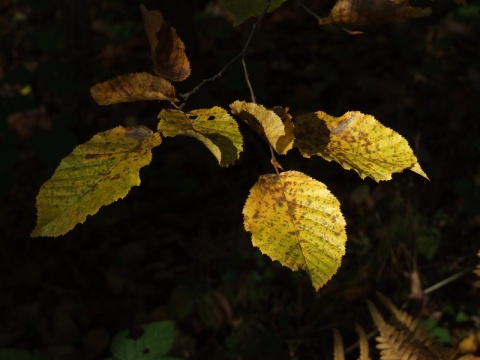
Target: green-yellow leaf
[[133, 87], [356, 141], [274, 125], [214, 127], [295, 219], [242, 10], [95, 174]]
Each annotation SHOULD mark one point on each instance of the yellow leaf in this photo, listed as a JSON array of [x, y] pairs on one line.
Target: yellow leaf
[[356, 141], [168, 51], [338, 347], [133, 87], [295, 219], [267, 123], [364, 12], [95, 174], [214, 127]]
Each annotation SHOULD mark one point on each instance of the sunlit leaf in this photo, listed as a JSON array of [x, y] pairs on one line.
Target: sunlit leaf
[[168, 51], [364, 12], [356, 141], [338, 347], [295, 219], [214, 127], [133, 87], [267, 123], [245, 9], [95, 174]]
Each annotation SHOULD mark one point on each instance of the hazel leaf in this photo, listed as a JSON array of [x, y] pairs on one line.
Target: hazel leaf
[[276, 130], [295, 219], [95, 174], [168, 51], [366, 12], [214, 127], [133, 87], [356, 141]]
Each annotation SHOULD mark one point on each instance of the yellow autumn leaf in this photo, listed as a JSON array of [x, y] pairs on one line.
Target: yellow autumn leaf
[[214, 127], [133, 87], [277, 129], [295, 219], [365, 12], [95, 174], [356, 141]]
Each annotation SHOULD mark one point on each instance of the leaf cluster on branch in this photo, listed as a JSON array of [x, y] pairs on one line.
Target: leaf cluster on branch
[[292, 218]]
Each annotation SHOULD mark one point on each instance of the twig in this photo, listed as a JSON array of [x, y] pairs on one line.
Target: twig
[[241, 54], [308, 10]]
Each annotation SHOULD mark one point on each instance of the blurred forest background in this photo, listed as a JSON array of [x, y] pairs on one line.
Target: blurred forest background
[[175, 247]]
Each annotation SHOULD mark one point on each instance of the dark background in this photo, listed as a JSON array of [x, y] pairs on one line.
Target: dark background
[[175, 247]]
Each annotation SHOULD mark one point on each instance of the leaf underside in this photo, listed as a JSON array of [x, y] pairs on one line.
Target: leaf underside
[[295, 219], [366, 12], [133, 87], [167, 49], [95, 174], [214, 127], [356, 141]]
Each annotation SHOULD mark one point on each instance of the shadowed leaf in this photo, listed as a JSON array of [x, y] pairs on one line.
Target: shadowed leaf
[[214, 127], [356, 141], [295, 219], [95, 174], [244, 9], [133, 87], [168, 51], [364, 12]]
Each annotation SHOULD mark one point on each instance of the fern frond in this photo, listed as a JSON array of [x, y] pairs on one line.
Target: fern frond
[[407, 323], [363, 343], [338, 349], [397, 342]]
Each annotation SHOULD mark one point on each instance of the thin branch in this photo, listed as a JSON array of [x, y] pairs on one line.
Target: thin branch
[[242, 53], [308, 10]]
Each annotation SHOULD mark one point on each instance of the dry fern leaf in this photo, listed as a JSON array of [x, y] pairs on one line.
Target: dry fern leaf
[[363, 343], [338, 348]]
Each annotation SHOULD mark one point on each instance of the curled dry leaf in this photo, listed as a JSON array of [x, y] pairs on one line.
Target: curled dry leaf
[[273, 125], [133, 87], [168, 51], [365, 12]]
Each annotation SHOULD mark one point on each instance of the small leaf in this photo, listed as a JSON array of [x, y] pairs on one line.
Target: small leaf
[[133, 87], [362, 343], [356, 141], [95, 174], [245, 9], [267, 123], [214, 127], [295, 219], [156, 341], [365, 12], [168, 51]]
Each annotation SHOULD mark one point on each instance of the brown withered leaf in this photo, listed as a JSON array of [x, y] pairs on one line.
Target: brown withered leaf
[[133, 87], [366, 12], [24, 122], [168, 51]]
